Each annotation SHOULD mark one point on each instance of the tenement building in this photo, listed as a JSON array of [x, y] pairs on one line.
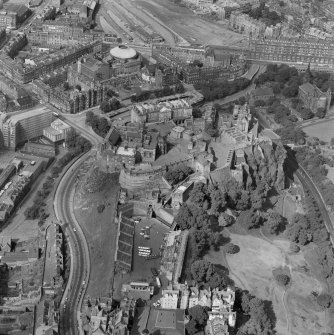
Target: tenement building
[[13, 14], [200, 64], [244, 24], [301, 53], [39, 66], [60, 33]]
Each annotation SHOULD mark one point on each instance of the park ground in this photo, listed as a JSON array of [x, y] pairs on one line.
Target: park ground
[[252, 270], [99, 228], [322, 130]]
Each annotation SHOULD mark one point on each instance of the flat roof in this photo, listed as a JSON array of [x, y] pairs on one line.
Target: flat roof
[[126, 152], [178, 129], [52, 131], [60, 124], [29, 113]]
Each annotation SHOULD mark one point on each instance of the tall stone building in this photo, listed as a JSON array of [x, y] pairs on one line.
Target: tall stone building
[[313, 98]]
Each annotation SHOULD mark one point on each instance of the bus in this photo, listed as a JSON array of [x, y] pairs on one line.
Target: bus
[[158, 281]]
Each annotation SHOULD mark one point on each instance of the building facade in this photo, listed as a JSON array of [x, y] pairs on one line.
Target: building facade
[[299, 52], [313, 98], [244, 24], [22, 127], [45, 64]]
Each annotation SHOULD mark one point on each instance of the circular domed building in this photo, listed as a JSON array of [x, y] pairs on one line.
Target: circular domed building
[[124, 60], [123, 52]]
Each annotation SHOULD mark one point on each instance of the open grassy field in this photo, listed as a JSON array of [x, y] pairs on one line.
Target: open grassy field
[[190, 26], [322, 130], [100, 230], [252, 267]]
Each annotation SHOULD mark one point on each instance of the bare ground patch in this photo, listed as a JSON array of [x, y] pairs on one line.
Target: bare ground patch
[[190, 26], [100, 231]]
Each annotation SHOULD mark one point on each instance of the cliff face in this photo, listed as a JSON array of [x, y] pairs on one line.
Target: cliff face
[[265, 161]]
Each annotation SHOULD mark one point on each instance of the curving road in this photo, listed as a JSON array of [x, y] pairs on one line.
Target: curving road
[[80, 262]]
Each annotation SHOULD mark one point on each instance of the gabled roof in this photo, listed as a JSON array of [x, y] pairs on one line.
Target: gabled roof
[[307, 87]]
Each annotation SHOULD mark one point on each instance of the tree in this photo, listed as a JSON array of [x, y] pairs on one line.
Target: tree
[[306, 113], [191, 327], [242, 100], [200, 315], [259, 103], [282, 279], [259, 312], [184, 218], [199, 194], [250, 219], [196, 112], [89, 117], [114, 104], [105, 106], [71, 138], [177, 174], [179, 88], [78, 87], [321, 113], [66, 86], [274, 222], [225, 220], [199, 270], [218, 199], [231, 248], [324, 300], [103, 126], [218, 280]]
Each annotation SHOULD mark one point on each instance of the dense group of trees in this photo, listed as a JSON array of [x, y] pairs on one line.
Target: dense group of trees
[[208, 275], [176, 174], [213, 90], [290, 134], [99, 124], [165, 91], [286, 80], [76, 145], [109, 105], [198, 318], [304, 229], [261, 318], [270, 18], [314, 162]]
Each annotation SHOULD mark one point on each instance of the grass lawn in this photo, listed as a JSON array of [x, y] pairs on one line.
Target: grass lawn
[[322, 130], [252, 267], [100, 230]]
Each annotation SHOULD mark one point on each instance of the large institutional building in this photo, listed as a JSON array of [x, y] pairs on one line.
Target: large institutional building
[[24, 126]]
